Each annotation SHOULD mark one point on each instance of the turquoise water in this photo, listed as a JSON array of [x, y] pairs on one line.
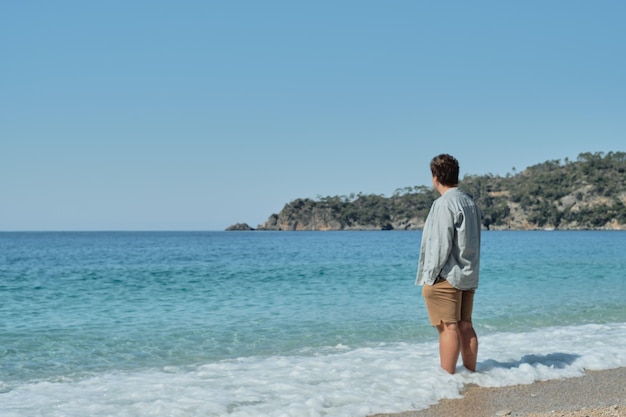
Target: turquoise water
[[213, 312]]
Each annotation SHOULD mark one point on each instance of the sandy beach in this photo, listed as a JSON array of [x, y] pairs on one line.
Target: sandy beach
[[596, 394]]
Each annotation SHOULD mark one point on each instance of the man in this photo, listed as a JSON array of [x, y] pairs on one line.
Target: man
[[448, 265]]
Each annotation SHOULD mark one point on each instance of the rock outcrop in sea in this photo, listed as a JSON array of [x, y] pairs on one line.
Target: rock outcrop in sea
[[239, 227]]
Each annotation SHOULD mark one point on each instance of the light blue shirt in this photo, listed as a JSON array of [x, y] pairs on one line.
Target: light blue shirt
[[451, 242]]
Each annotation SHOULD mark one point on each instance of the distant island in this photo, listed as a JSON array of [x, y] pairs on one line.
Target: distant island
[[586, 194]]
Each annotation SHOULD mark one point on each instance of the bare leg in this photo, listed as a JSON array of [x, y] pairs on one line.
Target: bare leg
[[449, 346], [469, 345]]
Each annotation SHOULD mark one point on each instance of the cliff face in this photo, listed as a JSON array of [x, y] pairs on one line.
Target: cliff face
[[587, 194], [315, 219], [322, 219]]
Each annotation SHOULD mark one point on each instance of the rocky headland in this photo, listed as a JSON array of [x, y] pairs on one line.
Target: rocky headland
[[586, 194]]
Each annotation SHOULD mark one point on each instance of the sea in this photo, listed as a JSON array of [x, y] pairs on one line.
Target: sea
[[288, 323]]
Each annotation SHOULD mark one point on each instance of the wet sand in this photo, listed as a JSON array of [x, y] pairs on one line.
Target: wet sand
[[596, 394]]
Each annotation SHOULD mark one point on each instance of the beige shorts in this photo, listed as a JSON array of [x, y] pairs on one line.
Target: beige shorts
[[447, 304]]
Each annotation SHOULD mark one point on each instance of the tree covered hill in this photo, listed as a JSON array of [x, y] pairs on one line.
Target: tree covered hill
[[589, 193]]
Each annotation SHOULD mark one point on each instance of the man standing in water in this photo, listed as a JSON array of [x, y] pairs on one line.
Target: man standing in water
[[448, 265]]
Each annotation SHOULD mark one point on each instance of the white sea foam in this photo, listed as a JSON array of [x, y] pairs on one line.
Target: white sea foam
[[339, 381]]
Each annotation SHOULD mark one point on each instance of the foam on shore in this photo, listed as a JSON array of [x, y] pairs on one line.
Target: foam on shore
[[338, 381]]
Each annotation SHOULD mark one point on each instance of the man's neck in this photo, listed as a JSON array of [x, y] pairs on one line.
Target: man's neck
[[445, 188]]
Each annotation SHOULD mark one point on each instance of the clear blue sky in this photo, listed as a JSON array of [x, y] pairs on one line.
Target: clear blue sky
[[195, 115]]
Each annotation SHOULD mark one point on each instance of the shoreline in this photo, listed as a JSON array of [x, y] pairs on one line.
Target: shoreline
[[595, 394]]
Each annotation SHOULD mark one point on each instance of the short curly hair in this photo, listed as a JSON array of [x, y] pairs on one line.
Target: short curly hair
[[446, 168]]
